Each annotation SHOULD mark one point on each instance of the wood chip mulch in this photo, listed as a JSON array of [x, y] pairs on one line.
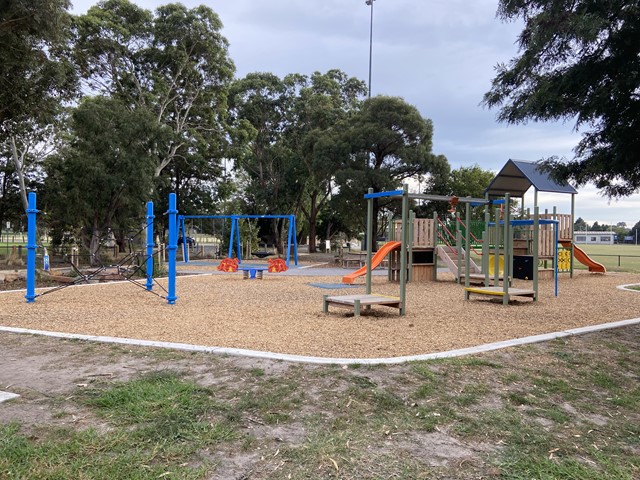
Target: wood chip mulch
[[284, 314]]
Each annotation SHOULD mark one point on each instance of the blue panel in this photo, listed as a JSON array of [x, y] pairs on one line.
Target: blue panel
[[394, 193]]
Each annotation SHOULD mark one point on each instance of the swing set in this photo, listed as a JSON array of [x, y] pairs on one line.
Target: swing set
[[234, 236]]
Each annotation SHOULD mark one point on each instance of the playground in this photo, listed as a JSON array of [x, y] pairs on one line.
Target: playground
[[297, 308], [282, 313]]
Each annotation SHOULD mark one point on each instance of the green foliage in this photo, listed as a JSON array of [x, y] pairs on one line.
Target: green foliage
[[35, 75], [285, 142], [579, 60], [105, 171], [10, 205], [470, 181], [174, 63], [580, 224], [390, 142], [462, 182], [260, 106], [323, 102]]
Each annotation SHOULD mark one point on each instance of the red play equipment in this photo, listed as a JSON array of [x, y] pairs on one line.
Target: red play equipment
[[277, 265], [228, 265]]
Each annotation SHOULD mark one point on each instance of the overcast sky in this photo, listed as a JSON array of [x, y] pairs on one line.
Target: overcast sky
[[438, 55]]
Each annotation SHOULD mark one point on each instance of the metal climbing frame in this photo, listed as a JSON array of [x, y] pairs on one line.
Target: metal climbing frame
[[126, 272]]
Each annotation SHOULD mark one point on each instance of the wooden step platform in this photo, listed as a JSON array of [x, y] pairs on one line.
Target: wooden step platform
[[499, 292], [356, 302]]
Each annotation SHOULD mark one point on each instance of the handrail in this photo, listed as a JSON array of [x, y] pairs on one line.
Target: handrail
[[453, 236], [444, 240], [473, 237], [620, 256]]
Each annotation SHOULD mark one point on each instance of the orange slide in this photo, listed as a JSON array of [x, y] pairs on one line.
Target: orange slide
[[377, 259], [585, 259]]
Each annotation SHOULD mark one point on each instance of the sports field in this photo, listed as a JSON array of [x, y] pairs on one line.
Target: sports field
[[617, 258]]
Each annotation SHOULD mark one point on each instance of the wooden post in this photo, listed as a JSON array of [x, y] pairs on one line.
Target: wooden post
[[403, 249], [496, 249], [459, 246], [536, 233], [370, 241], [435, 246], [467, 259], [412, 218], [573, 212], [508, 250]]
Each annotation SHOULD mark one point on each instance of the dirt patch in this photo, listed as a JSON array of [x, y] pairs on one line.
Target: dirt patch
[[443, 449]]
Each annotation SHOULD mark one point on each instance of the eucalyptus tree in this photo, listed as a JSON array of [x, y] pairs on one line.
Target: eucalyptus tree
[[322, 102], [101, 178], [579, 61], [10, 204], [261, 106], [390, 143], [172, 63], [36, 76]]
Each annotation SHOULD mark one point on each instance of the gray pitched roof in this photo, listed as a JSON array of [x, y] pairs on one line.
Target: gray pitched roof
[[517, 176]]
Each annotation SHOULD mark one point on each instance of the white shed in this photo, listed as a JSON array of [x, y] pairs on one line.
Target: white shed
[[599, 238]]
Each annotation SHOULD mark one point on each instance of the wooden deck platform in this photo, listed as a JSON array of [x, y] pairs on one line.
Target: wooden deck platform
[[499, 292], [356, 302]]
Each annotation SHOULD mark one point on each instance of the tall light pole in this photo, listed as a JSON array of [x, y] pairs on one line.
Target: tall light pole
[[370, 3]]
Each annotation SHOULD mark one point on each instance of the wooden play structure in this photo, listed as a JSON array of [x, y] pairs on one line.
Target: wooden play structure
[[422, 239], [500, 231], [525, 246], [421, 260], [529, 243]]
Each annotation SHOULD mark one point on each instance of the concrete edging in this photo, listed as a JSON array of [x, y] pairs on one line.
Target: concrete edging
[[326, 360], [626, 287]]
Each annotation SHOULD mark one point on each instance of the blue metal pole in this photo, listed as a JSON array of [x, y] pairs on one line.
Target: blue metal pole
[[32, 211], [231, 236], [150, 245], [185, 245], [295, 240], [238, 241], [289, 240], [172, 247]]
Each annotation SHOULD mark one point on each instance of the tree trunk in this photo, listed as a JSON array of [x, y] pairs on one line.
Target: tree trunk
[[18, 162], [312, 218], [94, 245], [312, 234], [329, 228], [277, 235]]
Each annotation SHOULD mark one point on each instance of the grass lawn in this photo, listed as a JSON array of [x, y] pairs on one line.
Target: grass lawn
[[566, 409], [616, 258]]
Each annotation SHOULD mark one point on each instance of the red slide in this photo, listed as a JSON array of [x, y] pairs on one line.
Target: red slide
[[585, 259], [375, 261]]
